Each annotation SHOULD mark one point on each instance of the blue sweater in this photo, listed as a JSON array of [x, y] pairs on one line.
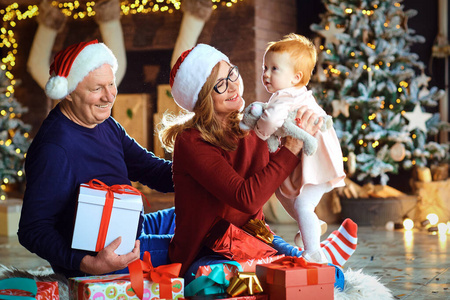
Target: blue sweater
[[61, 157]]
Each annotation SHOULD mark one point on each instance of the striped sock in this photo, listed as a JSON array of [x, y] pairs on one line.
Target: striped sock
[[341, 243]]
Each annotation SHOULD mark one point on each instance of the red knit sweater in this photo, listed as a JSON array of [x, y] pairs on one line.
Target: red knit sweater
[[211, 182]]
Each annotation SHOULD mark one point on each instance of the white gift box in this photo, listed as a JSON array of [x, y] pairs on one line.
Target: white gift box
[[123, 222]]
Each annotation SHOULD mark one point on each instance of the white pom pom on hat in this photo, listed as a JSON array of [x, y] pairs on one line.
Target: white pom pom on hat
[[190, 72], [72, 64]]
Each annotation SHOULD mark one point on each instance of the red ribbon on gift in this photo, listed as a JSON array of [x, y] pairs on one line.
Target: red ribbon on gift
[[140, 269], [312, 268], [109, 202]]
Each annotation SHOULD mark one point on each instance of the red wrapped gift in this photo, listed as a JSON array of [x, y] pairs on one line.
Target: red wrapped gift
[[227, 297], [40, 290], [293, 278], [235, 243]]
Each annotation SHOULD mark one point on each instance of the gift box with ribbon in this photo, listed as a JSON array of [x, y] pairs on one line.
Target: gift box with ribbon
[[231, 270], [104, 213], [234, 281], [26, 288], [116, 287], [235, 243], [144, 282], [227, 297], [293, 278]]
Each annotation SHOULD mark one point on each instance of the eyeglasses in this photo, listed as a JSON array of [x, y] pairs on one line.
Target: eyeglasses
[[222, 85]]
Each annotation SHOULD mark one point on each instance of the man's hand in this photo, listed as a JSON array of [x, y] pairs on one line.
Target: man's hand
[[107, 261]]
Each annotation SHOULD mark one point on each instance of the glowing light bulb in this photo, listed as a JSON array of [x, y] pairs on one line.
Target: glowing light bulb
[[408, 224], [433, 218], [442, 228]]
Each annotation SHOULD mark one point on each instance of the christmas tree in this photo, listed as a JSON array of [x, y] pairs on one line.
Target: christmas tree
[[14, 141], [376, 89]]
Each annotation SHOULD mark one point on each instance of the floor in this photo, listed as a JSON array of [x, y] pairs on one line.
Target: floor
[[413, 265]]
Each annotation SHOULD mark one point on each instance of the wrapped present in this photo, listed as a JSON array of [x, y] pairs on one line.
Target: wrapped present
[[27, 288], [143, 282], [244, 283], [119, 287], [231, 270], [235, 243], [163, 275], [293, 278], [215, 282], [101, 214], [225, 296], [259, 229]]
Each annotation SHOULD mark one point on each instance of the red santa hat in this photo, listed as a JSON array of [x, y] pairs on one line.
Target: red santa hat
[[190, 72], [72, 64]]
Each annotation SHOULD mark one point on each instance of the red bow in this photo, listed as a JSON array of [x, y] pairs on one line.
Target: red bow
[[109, 202], [140, 269], [292, 261]]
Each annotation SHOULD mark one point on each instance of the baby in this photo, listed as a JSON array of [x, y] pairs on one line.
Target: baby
[[287, 69]]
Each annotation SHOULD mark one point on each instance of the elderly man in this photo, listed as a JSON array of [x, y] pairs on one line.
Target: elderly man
[[77, 142]]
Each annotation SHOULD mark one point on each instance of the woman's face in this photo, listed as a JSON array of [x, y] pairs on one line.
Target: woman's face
[[93, 98], [230, 100]]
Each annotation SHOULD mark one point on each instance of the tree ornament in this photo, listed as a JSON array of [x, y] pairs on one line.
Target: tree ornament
[[398, 151], [330, 34], [340, 107], [351, 163], [417, 118], [365, 36], [422, 80]]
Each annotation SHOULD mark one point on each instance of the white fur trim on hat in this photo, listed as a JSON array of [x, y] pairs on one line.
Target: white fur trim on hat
[[90, 58], [56, 87], [192, 74]]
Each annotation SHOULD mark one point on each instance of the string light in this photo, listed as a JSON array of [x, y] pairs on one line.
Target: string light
[[442, 228], [433, 218], [408, 224], [11, 14], [367, 12]]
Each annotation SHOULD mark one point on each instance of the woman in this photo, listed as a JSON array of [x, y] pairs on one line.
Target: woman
[[218, 169]]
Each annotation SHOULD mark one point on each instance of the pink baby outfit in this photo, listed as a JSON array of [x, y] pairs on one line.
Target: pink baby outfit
[[325, 165]]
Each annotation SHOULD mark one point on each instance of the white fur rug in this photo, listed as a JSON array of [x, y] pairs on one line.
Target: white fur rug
[[362, 286], [358, 286]]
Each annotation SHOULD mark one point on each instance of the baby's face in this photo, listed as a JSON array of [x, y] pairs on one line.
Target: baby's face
[[278, 72]]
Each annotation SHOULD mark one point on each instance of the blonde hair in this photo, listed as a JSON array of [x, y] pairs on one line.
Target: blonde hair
[[302, 52], [204, 119]]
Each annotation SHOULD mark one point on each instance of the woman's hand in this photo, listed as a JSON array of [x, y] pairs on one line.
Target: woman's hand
[[305, 120], [107, 261]]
